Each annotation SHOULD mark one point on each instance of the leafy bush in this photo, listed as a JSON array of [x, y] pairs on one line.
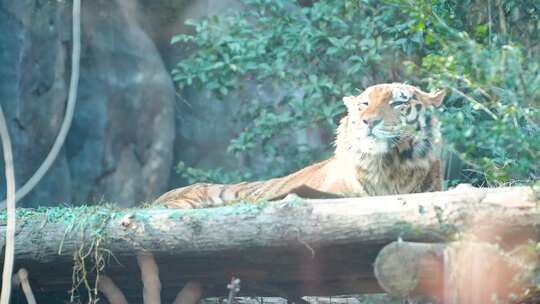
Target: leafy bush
[[492, 115], [485, 56]]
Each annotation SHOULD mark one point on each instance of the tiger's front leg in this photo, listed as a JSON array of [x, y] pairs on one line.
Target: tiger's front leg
[[433, 180]]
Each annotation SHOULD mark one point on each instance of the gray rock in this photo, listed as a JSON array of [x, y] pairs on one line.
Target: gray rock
[[33, 92], [119, 148], [125, 111]]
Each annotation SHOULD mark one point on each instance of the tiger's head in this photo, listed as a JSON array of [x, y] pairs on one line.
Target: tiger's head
[[386, 116]]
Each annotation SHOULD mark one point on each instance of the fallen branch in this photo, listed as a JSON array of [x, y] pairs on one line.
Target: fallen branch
[[112, 293], [150, 278], [191, 293], [21, 278]]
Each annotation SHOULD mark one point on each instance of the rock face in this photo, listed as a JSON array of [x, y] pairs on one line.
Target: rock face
[[119, 148], [204, 124], [33, 91], [126, 110], [128, 131]]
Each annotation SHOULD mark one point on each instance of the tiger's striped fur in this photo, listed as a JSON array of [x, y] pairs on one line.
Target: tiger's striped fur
[[385, 145]]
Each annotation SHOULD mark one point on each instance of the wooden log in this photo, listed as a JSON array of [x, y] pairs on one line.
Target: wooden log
[[292, 247], [407, 269], [454, 273]]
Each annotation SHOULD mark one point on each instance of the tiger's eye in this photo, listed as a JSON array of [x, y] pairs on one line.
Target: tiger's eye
[[362, 105], [403, 109], [397, 103]]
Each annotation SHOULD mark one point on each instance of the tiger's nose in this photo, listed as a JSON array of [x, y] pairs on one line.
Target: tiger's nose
[[371, 122]]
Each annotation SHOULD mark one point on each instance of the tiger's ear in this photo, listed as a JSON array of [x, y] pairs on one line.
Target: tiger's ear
[[433, 98]]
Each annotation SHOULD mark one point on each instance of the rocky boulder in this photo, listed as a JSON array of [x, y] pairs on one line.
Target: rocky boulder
[[119, 148]]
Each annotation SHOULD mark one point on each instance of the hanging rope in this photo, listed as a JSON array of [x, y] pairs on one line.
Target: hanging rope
[[70, 108], [10, 229], [11, 196]]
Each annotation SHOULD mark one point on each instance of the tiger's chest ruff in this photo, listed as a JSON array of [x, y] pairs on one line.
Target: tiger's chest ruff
[[380, 177], [377, 175]]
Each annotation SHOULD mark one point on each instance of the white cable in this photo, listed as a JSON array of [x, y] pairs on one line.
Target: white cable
[[10, 229], [70, 108]]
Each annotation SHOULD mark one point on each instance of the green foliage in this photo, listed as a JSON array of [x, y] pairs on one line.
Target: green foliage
[[485, 56], [492, 116]]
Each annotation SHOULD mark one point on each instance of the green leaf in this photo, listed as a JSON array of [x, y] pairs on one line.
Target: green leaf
[[180, 38]]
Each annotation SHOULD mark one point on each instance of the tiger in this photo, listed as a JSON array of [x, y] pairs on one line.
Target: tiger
[[386, 144]]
